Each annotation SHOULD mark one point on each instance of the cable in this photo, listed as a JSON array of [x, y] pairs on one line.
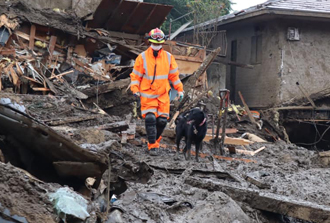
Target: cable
[[311, 144]]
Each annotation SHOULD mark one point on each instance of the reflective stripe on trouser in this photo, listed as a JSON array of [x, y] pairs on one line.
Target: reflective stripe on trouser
[[159, 106], [154, 145]]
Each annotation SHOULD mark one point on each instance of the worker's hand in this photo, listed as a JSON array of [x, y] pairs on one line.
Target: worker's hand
[[137, 94], [180, 95]]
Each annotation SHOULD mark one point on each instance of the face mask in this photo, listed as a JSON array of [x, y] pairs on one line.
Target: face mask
[[156, 47]]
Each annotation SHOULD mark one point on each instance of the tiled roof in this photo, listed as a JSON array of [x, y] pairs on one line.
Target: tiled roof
[[317, 6], [302, 5]]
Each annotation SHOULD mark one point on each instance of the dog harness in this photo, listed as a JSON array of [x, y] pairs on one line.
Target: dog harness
[[195, 130]]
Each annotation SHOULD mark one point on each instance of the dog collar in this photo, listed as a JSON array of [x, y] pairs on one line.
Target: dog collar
[[203, 122]]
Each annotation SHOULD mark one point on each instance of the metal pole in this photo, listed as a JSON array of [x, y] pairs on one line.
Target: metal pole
[[170, 29]]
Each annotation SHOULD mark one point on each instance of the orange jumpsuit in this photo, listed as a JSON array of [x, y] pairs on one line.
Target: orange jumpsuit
[[151, 77]]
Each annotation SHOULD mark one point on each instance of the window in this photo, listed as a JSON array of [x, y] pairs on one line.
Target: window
[[256, 46]]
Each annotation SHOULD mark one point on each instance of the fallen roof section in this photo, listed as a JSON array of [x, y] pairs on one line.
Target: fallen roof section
[[129, 16]]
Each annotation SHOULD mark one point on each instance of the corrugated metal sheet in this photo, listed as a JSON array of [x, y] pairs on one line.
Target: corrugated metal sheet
[[129, 16]]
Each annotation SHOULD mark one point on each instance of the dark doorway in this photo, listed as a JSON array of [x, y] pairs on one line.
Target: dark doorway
[[233, 57]]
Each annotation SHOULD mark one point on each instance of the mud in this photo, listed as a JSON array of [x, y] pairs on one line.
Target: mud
[[288, 170], [25, 196], [154, 189]]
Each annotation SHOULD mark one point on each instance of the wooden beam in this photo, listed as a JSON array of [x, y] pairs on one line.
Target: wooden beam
[[233, 63], [230, 140], [115, 127], [32, 36], [270, 202], [108, 87], [206, 63], [228, 131], [27, 37], [124, 35], [7, 52], [187, 58], [70, 120]]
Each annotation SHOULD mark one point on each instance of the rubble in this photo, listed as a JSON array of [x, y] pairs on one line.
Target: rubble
[[68, 123]]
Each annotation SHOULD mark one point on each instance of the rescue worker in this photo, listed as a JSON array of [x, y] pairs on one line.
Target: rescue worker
[[154, 70]]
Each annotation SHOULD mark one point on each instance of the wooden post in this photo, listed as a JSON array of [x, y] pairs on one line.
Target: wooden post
[[32, 36], [51, 48]]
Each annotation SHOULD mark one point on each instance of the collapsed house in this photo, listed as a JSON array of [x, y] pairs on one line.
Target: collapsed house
[[72, 143]]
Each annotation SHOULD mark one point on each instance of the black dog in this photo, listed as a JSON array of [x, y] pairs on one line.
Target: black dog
[[192, 125]]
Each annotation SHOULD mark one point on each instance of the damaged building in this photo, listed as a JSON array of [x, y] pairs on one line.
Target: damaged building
[[276, 55], [72, 139]]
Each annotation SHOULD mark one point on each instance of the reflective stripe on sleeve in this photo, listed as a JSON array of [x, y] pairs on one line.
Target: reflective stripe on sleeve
[[176, 82], [137, 73], [144, 62], [135, 82], [169, 58], [173, 71]]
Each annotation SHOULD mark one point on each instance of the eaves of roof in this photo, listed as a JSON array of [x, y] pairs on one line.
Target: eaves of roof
[[231, 18]]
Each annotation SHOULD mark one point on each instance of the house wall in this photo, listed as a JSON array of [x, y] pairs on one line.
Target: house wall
[[306, 61], [283, 63], [259, 86]]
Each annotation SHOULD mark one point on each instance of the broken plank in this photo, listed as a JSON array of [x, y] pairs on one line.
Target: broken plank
[[108, 87], [14, 76], [115, 127], [256, 182], [40, 89], [32, 36], [206, 63], [247, 108], [270, 202], [71, 120], [230, 140], [172, 122], [7, 52], [27, 37], [80, 170], [228, 131], [218, 174], [258, 150], [62, 74]]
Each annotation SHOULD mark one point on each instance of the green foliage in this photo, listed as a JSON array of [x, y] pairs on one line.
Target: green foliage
[[205, 10], [202, 10], [180, 8]]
